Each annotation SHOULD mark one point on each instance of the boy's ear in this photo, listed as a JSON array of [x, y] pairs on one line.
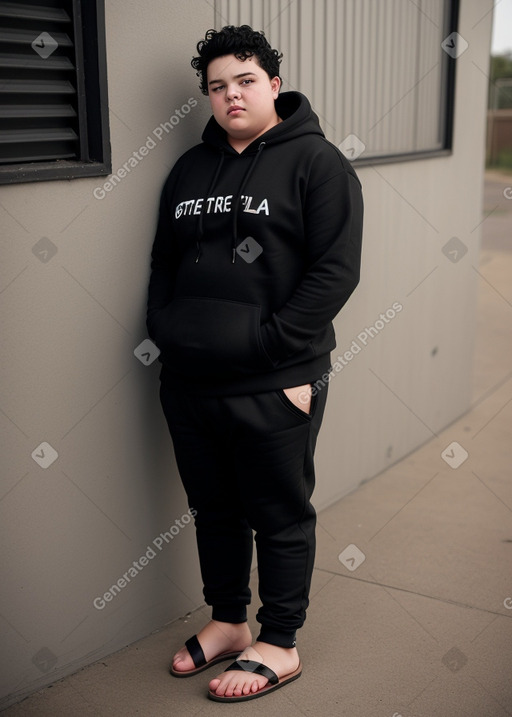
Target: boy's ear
[[275, 84]]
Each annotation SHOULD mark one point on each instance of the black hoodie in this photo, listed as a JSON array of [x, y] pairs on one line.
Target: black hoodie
[[254, 255]]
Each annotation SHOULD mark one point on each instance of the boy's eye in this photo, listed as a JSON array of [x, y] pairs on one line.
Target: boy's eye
[[221, 87]]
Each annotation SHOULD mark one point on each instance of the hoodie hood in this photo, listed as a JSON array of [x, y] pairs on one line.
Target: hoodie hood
[[298, 119]]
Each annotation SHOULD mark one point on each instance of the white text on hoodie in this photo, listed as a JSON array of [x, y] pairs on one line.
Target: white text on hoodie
[[218, 205]]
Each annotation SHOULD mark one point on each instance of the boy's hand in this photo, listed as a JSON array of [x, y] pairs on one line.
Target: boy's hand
[[300, 396]]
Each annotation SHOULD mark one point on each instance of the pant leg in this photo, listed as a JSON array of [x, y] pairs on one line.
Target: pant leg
[[273, 445], [224, 538]]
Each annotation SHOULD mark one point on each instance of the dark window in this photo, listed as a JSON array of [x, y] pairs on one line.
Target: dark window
[[53, 92]]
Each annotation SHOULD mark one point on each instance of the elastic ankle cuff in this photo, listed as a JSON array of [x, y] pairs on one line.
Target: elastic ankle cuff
[[229, 613], [280, 638]]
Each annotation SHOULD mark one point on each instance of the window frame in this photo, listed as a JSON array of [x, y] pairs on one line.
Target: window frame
[[92, 100], [446, 108], [258, 14]]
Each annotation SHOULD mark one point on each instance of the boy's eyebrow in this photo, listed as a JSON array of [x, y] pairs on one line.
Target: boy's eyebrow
[[236, 77]]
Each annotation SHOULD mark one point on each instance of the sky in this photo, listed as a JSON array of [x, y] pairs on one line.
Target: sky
[[502, 27]]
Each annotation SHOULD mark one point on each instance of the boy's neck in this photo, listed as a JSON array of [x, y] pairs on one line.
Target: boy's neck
[[240, 144]]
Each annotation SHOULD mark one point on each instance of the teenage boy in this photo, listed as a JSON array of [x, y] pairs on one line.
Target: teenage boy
[[257, 249]]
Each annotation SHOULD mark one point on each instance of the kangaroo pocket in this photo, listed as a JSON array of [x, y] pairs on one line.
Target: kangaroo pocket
[[211, 337]]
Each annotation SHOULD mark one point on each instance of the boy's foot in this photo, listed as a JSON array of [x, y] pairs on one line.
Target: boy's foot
[[215, 638], [234, 683]]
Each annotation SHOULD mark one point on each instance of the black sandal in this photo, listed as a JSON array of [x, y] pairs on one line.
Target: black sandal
[[199, 660], [274, 682]]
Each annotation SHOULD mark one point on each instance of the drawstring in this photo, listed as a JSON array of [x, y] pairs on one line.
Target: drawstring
[[210, 188], [235, 206], [239, 198]]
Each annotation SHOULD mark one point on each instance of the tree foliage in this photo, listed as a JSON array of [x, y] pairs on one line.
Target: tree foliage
[[500, 93]]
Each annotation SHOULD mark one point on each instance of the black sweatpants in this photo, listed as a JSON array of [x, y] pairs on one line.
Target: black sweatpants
[[246, 463]]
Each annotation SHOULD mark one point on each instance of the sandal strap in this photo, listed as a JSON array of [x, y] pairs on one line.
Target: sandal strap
[[196, 651], [256, 667]]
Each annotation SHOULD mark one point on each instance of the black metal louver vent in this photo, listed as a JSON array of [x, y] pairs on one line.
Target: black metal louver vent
[[40, 114]]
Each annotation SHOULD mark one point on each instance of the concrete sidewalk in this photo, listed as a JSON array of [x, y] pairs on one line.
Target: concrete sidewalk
[[411, 605]]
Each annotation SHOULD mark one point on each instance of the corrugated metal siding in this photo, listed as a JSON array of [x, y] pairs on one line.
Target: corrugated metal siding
[[373, 69]]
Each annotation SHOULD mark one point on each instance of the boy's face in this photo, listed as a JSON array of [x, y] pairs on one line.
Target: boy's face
[[244, 85]]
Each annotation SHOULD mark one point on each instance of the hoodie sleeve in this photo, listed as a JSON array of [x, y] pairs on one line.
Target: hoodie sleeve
[[163, 267], [333, 219]]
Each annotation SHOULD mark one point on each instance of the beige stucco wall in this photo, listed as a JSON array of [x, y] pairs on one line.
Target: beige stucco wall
[[70, 377], [413, 378]]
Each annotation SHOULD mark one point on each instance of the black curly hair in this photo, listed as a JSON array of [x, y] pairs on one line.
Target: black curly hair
[[242, 42]]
